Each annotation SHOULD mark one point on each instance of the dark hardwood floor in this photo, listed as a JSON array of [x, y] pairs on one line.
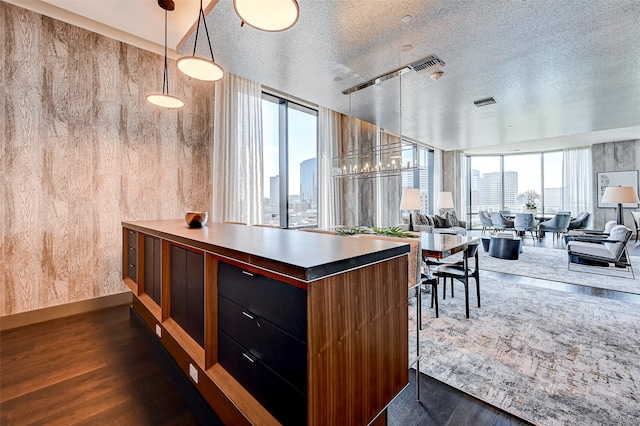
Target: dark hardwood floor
[[97, 369], [86, 369]]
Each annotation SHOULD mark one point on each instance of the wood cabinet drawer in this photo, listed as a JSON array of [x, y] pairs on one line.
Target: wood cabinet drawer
[[279, 350], [279, 303], [281, 399]]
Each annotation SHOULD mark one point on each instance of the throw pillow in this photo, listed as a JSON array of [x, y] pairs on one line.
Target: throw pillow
[[430, 220], [453, 218], [419, 219], [441, 222]]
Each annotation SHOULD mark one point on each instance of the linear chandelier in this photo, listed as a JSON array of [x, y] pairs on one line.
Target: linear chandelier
[[164, 99], [201, 68]]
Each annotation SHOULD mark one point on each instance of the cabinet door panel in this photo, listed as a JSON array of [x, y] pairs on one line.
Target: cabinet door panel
[[195, 296], [178, 285], [152, 271]]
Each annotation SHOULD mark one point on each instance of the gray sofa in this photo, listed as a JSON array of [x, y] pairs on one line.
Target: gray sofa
[[447, 224]]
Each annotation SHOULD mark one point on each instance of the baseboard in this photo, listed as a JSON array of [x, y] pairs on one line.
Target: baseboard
[[46, 314]]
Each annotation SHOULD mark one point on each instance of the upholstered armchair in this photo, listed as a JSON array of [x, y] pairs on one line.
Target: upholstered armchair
[[611, 251], [636, 221]]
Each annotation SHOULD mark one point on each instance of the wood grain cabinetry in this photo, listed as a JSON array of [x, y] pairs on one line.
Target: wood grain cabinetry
[[282, 337], [152, 269]]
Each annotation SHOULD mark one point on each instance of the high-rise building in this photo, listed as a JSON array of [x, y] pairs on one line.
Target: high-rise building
[[309, 181], [274, 190]]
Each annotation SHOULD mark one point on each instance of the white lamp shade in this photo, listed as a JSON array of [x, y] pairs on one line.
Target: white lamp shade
[[445, 200], [410, 199], [165, 101], [620, 194], [200, 68], [268, 15]]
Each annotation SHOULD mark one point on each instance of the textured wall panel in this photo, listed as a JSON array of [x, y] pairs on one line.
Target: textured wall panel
[[82, 151], [613, 157]]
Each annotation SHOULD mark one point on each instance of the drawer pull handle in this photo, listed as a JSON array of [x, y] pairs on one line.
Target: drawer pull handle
[[249, 358], [131, 266], [247, 273], [131, 248], [248, 315]]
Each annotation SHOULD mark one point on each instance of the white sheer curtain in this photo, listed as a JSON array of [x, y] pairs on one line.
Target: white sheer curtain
[[329, 134], [462, 209], [577, 180], [437, 176], [237, 151]]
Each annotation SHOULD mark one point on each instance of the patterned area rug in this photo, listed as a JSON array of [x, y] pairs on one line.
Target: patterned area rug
[[551, 264], [550, 357]]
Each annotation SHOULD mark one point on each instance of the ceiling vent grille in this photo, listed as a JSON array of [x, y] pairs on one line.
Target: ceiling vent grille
[[426, 64], [423, 65], [484, 102]]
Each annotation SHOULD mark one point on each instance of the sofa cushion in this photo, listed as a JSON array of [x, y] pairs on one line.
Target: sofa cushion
[[441, 222], [592, 249]]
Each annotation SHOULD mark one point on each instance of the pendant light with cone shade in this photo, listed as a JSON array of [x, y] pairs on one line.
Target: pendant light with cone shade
[[164, 99], [268, 15], [201, 68]]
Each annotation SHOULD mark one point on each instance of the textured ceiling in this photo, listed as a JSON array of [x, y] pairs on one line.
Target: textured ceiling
[[563, 73], [556, 69]]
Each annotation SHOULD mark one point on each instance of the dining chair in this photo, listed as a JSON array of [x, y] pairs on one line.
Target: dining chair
[[559, 224], [581, 221], [485, 220], [500, 223], [463, 274], [526, 222]]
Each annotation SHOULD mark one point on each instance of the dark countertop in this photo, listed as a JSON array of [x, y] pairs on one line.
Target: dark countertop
[[306, 256]]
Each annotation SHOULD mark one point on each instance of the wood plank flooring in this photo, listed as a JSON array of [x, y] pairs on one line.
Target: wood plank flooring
[[96, 369], [86, 369]]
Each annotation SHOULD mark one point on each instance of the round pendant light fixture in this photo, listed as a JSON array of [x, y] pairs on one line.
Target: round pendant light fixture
[[164, 99], [268, 15], [200, 68]]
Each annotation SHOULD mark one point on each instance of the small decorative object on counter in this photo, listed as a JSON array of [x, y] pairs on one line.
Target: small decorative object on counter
[[196, 219]]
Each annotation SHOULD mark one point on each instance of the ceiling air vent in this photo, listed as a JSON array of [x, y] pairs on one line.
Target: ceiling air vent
[[426, 64], [484, 102]]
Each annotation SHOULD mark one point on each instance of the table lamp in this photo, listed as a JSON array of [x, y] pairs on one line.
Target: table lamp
[[410, 201], [620, 195], [445, 201]]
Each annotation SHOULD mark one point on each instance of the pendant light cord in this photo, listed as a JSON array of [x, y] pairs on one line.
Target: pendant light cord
[[204, 21], [165, 79]]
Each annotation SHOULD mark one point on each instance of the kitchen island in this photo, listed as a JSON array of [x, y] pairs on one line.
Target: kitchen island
[[275, 326]]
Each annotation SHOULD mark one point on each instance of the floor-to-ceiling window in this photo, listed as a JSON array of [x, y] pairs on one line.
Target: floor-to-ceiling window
[[522, 181], [290, 138], [552, 175], [485, 186], [508, 182]]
